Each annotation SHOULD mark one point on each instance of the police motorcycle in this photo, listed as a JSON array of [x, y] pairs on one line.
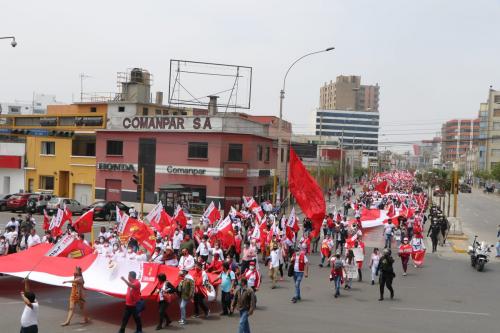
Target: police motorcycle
[[479, 254]]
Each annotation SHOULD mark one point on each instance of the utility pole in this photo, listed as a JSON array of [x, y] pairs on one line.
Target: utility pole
[[455, 192]]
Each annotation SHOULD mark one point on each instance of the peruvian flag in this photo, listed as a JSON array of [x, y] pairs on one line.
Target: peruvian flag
[[292, 222], [307, 192], [372, 218], [144, 236], [84, 223], [212, 213], [180, 217], [383, 187], [57, 222], [256, 232], [158, 218], [155, 214], [254, 207], [46, 220], [225, 233], [234, 213]]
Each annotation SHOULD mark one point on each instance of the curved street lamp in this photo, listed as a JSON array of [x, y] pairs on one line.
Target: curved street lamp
[[282, 97], [13, 43]]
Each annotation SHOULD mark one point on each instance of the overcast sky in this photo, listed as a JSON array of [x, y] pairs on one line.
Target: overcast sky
[[434, 59]]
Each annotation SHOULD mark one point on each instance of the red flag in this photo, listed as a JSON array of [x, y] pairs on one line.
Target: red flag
[[167, 225], [225, 233], [382, 187], [307, 192], [127, 227], [84, 223], [144, 236], [46, 220], [67, 216], [57, 223], [254, 207], [180, 217], [212, 213]]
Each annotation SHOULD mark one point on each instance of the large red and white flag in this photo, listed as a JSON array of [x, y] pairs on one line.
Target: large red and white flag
[[155, 214], [84, 223], [293, 221], [254, 207], [212, 213]]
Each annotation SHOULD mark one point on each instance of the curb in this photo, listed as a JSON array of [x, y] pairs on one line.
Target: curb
[[457, 237], [457, 249]]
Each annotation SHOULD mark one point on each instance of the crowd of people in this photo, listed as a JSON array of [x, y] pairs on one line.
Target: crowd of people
[[271, 241]]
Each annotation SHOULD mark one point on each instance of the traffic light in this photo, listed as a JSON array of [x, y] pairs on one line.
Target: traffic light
[[137, 179]]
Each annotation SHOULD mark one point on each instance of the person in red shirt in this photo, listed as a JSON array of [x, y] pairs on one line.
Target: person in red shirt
[[131, 299], [405, 250], [216, 265]]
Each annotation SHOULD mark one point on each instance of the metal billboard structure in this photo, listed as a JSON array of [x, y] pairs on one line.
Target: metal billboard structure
[[192, 83]]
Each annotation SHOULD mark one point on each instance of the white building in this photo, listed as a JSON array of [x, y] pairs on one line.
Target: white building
[[37, 106], [11, 166]]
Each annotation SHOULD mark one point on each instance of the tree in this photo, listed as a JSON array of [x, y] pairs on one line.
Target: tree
[[495, 172]]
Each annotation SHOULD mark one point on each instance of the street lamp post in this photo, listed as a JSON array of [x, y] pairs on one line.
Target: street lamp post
[[13, 43], [280, 123]]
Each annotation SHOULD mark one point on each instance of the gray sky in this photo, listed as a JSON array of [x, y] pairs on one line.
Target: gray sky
[[434, 59]]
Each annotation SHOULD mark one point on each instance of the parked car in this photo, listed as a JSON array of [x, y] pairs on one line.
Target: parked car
[[18, 202], [465, 188], [38, 202], [106, 210], [74, 206], [3, 201]]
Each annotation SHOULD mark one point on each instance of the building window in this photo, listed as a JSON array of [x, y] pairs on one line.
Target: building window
[[268, 153], [46, 183], [48, 148], [114, 148], [198, 150], [145, 111], [259, 152], [121, 109], [496, 126], [93, 109], [282, 154], [497, 98], [83, 145], [235, 153], [496, 113], [158, 112]]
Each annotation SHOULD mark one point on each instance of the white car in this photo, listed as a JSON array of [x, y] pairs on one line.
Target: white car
[[74, 206]]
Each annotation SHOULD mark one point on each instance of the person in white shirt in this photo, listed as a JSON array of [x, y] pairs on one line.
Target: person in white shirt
[[29, 318], [274, 264], [33, 239], [132, 212], [189, 226], [204, 249], [186, 262], [141, 256], [23, 244], [217, 249], [13, 223], [157, 256], [104, 234], [11, 238], [176, 241], [388, 230], [130, 255]]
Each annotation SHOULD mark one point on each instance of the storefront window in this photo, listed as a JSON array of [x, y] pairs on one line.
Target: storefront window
[[198, 150], [235, 152]]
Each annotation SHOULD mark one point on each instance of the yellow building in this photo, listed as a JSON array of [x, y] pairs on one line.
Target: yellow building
[[60, 148]]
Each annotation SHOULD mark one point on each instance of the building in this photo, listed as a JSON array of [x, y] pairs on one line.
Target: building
[[427, 154], [37, 106], [458, 136], [492, 132], [195, 158], [347, 93], [483, 134], [11, 164], [356, 130]]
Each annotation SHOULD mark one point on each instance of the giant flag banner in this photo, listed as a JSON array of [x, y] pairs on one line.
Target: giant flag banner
[[307, 192]]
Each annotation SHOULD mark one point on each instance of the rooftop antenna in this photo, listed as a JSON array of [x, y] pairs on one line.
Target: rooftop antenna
[[82, 77]]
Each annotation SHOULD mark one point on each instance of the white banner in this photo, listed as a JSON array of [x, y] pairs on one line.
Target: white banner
[[155, 213], [60, 246]]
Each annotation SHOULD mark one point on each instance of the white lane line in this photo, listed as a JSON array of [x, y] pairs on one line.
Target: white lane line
[[443, 311]]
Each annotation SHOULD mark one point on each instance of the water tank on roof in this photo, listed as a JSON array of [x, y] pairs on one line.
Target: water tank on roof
[[136, 75]]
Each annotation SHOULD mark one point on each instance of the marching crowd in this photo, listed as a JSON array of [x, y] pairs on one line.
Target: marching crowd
[[267, 241]]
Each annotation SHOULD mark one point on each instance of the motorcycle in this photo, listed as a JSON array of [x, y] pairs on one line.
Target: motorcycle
[[479, 254]]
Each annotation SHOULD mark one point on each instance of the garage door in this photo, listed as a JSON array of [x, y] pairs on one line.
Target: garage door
[[83, 194], [113, 190]]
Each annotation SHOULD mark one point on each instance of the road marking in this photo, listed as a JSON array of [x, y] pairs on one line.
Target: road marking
[[8, 303], [443, 311]]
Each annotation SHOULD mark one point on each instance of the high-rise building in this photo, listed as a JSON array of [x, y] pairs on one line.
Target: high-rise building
[[491, 133], [458, 136], [347, 93], [356, 130]]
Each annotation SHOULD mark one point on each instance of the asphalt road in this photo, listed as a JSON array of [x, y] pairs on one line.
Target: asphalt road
[[446, 295], [480, 214]]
